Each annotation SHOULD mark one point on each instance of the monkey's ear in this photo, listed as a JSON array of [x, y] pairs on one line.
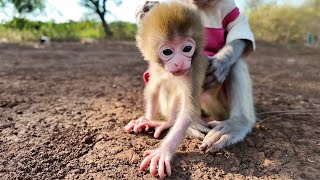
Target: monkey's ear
[[142, 10]]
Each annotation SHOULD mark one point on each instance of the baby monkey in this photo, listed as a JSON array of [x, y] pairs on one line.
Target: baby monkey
[[172, 43]]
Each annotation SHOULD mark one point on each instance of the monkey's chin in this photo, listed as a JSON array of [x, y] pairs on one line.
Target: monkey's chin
[[180, 73]]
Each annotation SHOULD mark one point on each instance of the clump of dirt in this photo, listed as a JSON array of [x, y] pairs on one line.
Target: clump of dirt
[[63, 109]]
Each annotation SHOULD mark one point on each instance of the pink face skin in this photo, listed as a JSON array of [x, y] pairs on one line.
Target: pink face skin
[[177, 55]]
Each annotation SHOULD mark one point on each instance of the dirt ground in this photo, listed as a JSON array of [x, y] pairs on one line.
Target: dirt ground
[[63, 109]]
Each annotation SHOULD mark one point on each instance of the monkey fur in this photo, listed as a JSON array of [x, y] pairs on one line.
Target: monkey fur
[[227, 106], [176, 93]]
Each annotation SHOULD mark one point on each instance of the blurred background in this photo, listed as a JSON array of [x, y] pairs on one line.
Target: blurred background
[[275, 21]]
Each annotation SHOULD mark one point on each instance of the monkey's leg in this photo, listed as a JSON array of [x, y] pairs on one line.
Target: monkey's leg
[[169, 110], [163, 125], [151, 94], [242, 116], [212, 110]]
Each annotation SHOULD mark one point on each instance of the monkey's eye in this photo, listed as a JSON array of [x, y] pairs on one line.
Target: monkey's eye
[[187, 49], [167, 52]]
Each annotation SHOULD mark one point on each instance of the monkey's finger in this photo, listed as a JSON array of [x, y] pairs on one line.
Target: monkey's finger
[[147, 128], [214, 123], [168, 166], [145, 162], [211, 138], [212, 133], [209, 80], [148, 123], [141, 126], [147, 153], [161, 172], [154, 163], [195, 133], [221, 76], [221, 143], [138, 128], [135, 129], [203, 128], [130, 126], [158, 131]]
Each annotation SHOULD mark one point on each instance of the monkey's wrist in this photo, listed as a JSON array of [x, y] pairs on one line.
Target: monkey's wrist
[[147, 117], [169, 151]]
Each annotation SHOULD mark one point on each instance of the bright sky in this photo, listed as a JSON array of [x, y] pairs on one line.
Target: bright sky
[[65, 10]]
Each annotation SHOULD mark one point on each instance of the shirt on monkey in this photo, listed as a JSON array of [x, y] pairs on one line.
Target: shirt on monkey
[[223, 24]]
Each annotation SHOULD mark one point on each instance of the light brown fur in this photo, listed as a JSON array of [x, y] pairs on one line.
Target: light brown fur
[[165, 25]]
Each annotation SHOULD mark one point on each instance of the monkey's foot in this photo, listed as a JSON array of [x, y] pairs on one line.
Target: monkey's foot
[[198, 130], [225, 133], [160, 158]]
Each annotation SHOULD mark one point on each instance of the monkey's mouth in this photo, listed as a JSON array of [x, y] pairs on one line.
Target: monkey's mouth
[[180, 72]]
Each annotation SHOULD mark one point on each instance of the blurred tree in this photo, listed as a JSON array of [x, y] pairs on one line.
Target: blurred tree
[[100, 7], [286, 23], [314, 3], [253, 4], [24, 6]]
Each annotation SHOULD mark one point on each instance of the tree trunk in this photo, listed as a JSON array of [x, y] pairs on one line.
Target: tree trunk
[[106, 27]]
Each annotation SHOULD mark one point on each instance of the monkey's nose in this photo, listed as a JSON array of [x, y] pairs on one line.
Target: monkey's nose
[[177, 65]]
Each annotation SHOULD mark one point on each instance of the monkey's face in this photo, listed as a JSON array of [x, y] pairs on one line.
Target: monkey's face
[[177, 54]]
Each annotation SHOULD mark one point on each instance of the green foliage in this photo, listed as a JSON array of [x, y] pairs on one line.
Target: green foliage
[[99, 7], [286, 23], [19, 29], [123, 30], [24, 6]]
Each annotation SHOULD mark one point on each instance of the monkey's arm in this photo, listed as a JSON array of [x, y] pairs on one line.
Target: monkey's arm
[[239, 42], [189, 112], [220, 64], [162, 156]]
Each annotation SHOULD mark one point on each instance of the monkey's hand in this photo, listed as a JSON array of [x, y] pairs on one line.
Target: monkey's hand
[[159, 157], [221, 67], [144, 124], [135, 125], [220, 64], [217, 71], [225, 133]]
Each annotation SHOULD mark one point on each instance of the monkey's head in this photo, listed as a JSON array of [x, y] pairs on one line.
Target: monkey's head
[[171, 35]]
